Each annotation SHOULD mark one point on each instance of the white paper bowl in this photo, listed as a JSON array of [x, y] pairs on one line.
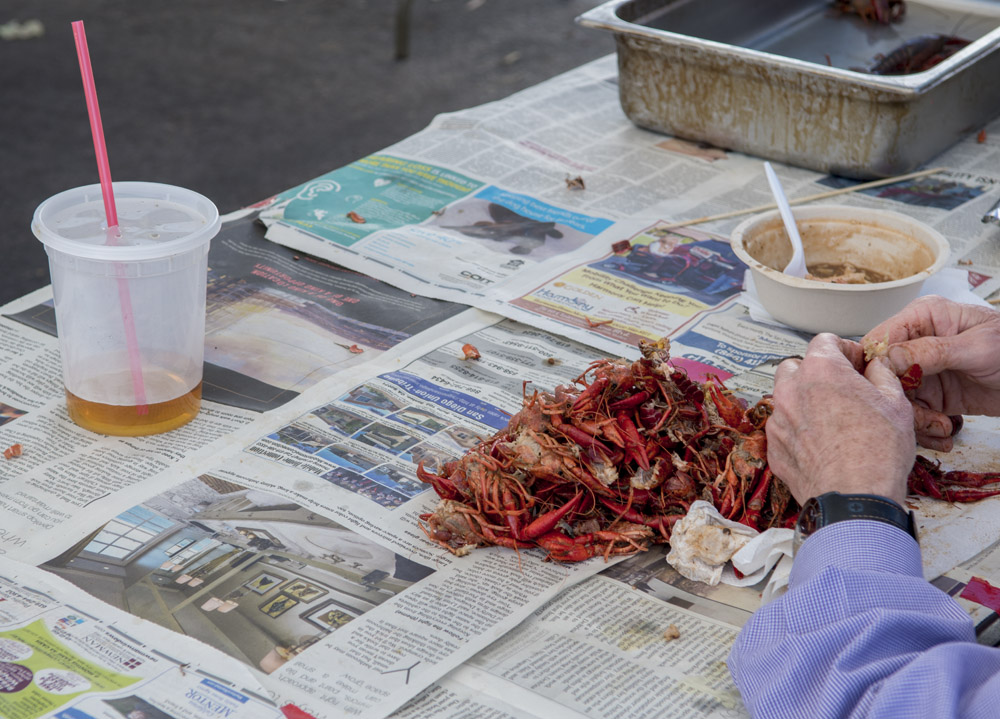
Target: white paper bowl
[[878, 240]]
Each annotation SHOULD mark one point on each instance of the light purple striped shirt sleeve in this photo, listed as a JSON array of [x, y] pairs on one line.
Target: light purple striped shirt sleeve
[[860, 633]]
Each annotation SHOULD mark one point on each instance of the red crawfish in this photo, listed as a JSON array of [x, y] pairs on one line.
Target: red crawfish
[[916, 55], [928, 480], [881, 11], [911, 378]]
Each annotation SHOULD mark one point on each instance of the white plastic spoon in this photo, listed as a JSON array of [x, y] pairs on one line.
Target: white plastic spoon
[[797, 266]]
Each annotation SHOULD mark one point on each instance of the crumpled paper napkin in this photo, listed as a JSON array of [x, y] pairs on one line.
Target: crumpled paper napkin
[[705, 546], [770, 551]]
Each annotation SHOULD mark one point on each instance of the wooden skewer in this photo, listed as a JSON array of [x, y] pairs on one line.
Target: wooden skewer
[[808, 198]]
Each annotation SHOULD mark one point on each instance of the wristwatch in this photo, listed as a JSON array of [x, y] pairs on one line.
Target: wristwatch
[[836, 507]]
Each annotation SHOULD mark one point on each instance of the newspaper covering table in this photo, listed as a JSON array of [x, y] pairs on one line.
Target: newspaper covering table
[[268, 557]]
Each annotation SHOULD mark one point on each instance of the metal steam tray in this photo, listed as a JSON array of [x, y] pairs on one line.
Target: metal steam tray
[[773, 78]]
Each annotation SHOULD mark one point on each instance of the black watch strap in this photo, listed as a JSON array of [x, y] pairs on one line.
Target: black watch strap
[[833, 507]]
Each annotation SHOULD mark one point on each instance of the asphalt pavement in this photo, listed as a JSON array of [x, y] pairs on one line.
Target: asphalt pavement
[[240, 99]]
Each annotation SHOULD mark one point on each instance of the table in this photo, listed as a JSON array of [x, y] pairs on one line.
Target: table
[[280, 528]]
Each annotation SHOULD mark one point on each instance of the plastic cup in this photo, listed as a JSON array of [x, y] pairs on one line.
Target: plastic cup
[[154, 279]]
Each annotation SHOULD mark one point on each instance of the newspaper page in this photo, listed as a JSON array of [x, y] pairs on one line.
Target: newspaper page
[[68, 656], [641, 640], [314, 520], [500, 191], [652, 271], [278, 587], [30, 368], [66, 475], [652, 274], [606, 650]]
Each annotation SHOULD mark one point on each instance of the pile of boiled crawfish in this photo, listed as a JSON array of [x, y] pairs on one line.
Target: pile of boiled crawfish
[[608, 465]]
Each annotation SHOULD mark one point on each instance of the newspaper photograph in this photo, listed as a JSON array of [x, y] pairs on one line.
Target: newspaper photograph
[[468, 242]]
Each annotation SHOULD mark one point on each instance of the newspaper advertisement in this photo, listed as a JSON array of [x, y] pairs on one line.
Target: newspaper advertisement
[[68, 656]]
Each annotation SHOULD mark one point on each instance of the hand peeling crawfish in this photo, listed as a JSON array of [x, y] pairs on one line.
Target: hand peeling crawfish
[[926, 478], [911, 377], [606, 466]]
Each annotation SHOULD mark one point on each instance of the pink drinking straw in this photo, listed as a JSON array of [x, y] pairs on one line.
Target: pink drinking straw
[[113, 233]]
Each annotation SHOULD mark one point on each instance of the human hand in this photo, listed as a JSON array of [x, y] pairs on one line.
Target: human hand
[[836, 430], [956, 347]]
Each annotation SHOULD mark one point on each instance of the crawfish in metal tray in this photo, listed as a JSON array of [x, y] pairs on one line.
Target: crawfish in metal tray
[[916, 55], [881, 11]]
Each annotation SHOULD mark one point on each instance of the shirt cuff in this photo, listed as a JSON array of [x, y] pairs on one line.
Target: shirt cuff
[[861, 544]]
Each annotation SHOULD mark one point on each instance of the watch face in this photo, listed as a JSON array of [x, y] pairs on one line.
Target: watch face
[[807, 522]]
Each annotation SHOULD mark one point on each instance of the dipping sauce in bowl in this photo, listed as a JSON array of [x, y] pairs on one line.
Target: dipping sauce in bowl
[[844, 273], [866, 265]]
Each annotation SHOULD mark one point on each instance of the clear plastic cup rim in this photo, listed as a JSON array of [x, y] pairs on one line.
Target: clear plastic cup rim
[[126, 253]]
